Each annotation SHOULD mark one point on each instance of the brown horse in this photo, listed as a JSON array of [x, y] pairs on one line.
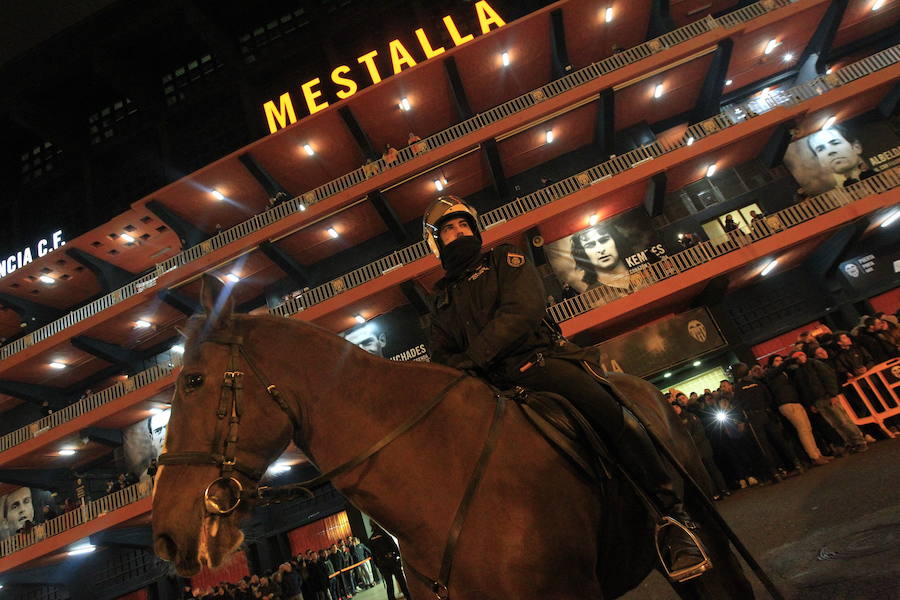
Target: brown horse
[[536, 528]]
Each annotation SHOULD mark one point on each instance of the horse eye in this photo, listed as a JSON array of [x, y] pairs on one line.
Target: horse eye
[[193, 381]]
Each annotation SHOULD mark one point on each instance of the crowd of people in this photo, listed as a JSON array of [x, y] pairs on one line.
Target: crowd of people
[[334, 573], [766, 423]]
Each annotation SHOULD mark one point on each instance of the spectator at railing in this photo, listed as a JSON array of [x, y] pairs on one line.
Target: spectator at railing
[[278, 199], [370, 167], [418, 146], [687, 240], [390, 154], [758, 223], [46, 409], [872, 337]]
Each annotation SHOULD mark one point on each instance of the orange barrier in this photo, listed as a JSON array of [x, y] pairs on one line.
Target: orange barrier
[[349, 568], [879, 391]]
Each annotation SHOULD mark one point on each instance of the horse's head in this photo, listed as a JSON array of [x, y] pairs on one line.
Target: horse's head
[[225, 429]]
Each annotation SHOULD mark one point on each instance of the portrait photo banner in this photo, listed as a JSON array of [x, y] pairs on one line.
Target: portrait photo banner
[[662, 344], [854, 149], [396, 335], [606, 254]]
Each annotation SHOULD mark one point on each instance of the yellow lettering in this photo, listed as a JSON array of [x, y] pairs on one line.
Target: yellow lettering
[[487, 16], [348, 83], [282, 116], [454, 32], [400, 56], [369, 61], [426, 45], [311, 96]]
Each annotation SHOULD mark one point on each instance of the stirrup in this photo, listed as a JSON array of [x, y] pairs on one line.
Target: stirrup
[[686, 573]]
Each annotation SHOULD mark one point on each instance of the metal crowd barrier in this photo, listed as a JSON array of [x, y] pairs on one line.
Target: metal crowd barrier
[[593, 71], [80, 515], [89, 403], [876, 392]]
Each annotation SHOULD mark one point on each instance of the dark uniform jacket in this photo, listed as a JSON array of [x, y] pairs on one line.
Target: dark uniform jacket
[[751, 395], [879, 347], [493, 313], [783, 390], [385, 553]]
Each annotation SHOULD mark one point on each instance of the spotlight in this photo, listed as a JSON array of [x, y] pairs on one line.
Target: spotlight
[[404, 104], [771, 46], [769, 266], [438, 185], [829, 122], [359, 319], [232, 278], [141, 324], [549, 136], [608, 15], [593, 220], [658, 91], [309, 150], [47, 279], [333, 232], [721, 416], [711, 170], [505, 57], [128, 239], [57, 365], [218, 195], [788, 57], [890, 218]]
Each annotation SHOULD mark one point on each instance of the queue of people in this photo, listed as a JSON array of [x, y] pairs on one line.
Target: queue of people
[[334, 573], [766, 423]]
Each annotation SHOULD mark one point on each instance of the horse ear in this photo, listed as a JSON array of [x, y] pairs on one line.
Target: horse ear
[[217, 308]]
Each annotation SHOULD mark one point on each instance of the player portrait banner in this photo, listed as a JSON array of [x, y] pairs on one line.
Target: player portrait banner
[[24, 508], [854, 149], [871, 271], [662, 344], [606, 254], [396, 335], [143, 442]]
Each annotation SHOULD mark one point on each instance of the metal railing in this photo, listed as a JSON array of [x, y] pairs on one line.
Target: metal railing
[[703, 252], [589, 177], [89, 403], [80, 515]]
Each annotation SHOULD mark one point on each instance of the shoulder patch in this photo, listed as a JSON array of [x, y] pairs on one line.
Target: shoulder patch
[[515, 260]]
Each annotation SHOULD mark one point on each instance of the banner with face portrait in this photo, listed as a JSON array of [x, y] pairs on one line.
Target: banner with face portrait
[[606, 254], [827, 158], [396, 335], [662, 344], [872, 271], [23, 508], [143, 442]]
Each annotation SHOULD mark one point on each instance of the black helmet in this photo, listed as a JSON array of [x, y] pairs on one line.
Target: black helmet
[[442, 209]]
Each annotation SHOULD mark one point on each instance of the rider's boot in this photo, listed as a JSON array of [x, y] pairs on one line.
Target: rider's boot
[[680, 549]]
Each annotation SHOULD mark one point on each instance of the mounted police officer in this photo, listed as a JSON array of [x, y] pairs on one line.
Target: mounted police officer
[[488, 316]]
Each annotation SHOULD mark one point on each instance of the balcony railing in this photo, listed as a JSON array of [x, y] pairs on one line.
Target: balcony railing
[[456, 132], [89, 403], [585, 179], [704, 252], [82, 514]]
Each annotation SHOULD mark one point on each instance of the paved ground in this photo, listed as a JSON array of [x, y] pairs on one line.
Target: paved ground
[[830, 534]]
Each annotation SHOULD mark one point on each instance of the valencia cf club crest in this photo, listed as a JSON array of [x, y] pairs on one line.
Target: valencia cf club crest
[[515, 260]]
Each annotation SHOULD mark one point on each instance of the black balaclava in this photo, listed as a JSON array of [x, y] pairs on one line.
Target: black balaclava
[[460, 255]]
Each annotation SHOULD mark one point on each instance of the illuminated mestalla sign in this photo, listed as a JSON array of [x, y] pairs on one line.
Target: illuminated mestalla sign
[[281, 113], [25, 256]]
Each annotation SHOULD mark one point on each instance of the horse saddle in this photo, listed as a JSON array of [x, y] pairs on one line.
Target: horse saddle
[[566, 429]]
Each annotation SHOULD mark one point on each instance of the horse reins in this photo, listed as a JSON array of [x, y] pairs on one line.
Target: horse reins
[[231, 406]]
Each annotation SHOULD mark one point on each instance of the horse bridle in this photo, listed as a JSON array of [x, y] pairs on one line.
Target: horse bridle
[[230, 406]]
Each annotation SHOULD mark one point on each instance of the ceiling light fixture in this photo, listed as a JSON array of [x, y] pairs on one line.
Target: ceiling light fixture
[[829, 70], [128, 239], [333, 232], [608, 15], [593, 219], [658, 90], [765, 92], [696, 363], [667, 374], [47, 279], [711, 170], [232, 278], [359, 318], [438, 185], [690, 140], [177, 349], [891, 218], [57, 365], [141, 324], [82, 549], [505, 58], [729, 82], [769, 266], [218, 195], [878, 4], [67, 452], [404, 103], [549, 136], [773, 43], [279, 468], [309, 150], [829, 122]]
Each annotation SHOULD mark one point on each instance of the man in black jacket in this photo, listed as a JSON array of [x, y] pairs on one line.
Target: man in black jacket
[[850, 360], [818, 388], [871, 338], [785, 397], [386, 556], [488, 316], [754, 400]]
